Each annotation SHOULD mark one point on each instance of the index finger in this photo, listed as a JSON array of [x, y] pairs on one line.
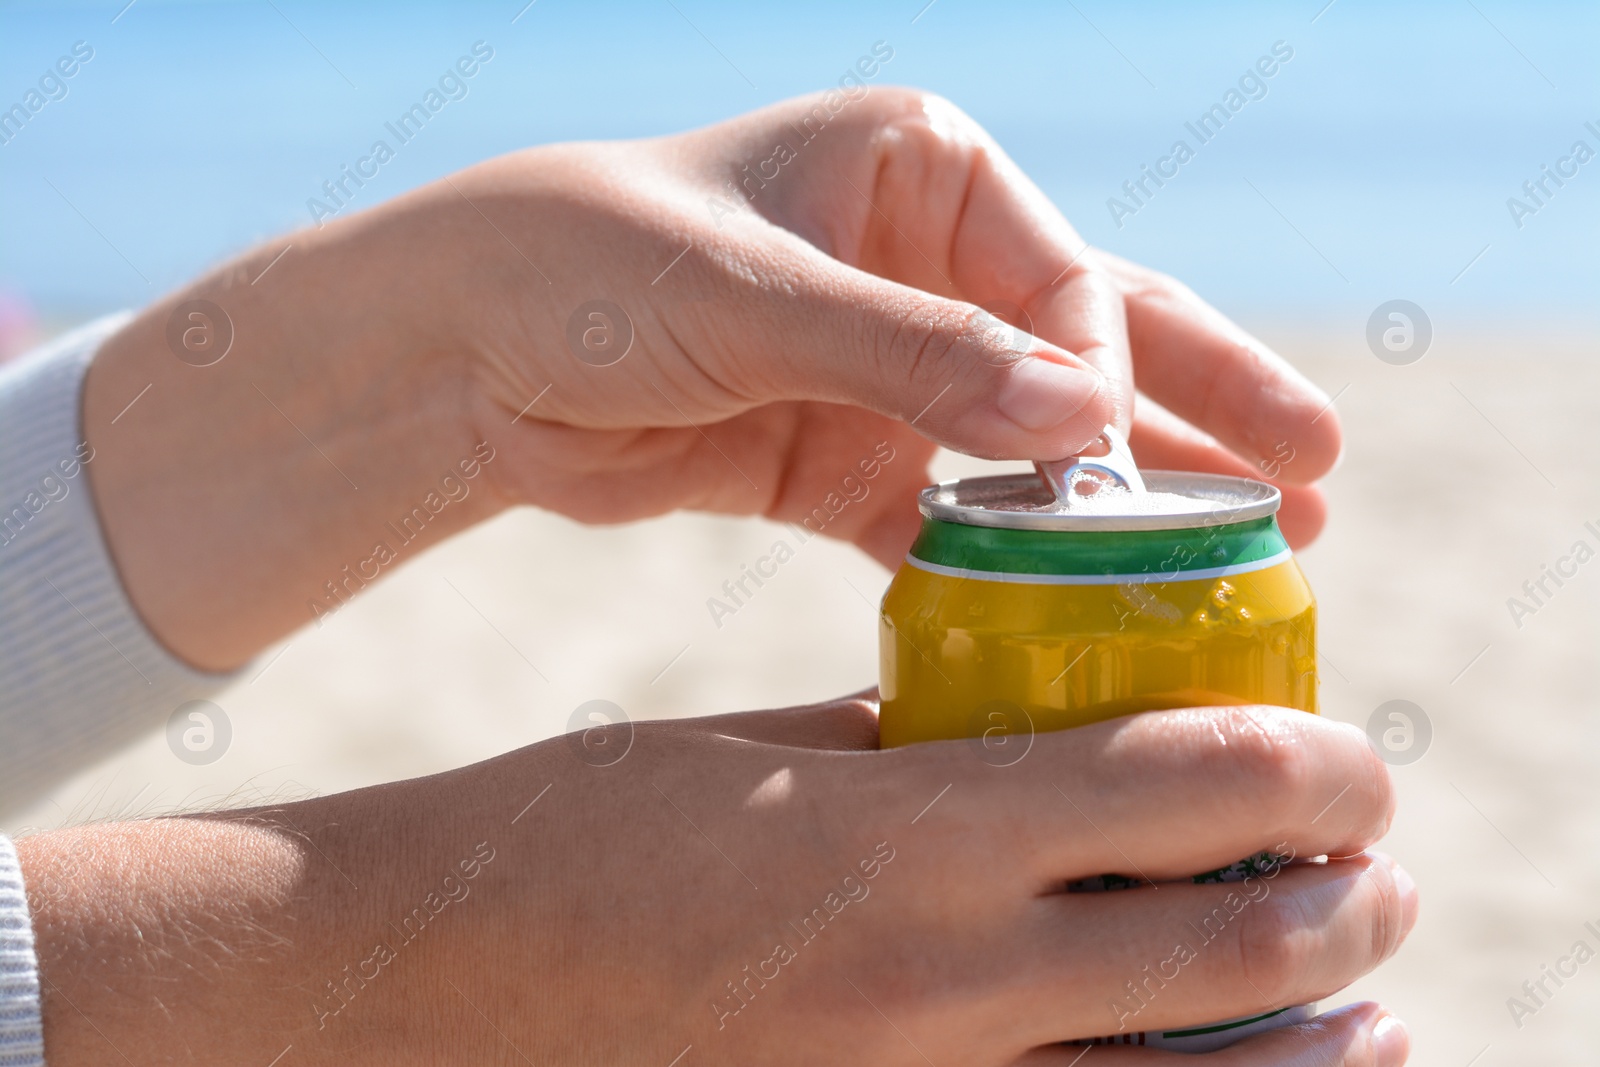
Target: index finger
[[1013, 246], [1161, 795], [949, 193]]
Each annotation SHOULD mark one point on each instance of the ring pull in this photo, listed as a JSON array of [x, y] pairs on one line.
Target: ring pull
[[1105, 461]]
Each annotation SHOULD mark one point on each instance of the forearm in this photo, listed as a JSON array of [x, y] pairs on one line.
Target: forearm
[[149, 934], [225, 939], [234, 496]]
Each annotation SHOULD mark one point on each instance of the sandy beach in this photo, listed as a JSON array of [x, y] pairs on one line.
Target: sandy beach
[[1465, 474]]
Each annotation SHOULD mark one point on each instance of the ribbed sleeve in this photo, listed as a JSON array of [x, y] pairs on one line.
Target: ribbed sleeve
[[80, 675], [21, 1032]]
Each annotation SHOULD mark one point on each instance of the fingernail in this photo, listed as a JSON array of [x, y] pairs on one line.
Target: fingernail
[[1391, 1042], [1040, 395]]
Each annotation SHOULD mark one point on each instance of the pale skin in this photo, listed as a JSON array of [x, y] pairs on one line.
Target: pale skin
[[830, 312]]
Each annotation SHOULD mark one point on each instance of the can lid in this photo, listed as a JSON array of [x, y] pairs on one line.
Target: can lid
[[1172, 500]]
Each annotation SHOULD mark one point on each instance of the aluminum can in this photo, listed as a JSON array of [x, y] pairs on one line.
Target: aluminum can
[[1014, 614]]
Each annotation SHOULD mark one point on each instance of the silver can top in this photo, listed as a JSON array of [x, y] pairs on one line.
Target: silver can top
[[1172, 500]]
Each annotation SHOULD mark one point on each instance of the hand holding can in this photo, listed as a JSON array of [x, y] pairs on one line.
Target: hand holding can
[[1100, 593]]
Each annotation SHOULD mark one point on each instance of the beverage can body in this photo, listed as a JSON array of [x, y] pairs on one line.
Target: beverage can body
[[1002, 624], [1067, 652], [1211, 1038]]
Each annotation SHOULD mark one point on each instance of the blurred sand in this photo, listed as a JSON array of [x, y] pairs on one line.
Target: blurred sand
[[1437, 519]]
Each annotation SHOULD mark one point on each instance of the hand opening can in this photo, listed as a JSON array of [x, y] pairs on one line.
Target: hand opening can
[[1015, 613]]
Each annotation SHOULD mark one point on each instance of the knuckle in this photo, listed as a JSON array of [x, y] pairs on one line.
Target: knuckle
[[1386, 914], [1142, 283], [1247, 355], [1155, 285], [1380, 787], [943, 114], [924, 104], [928, 124], [1276, 947], [925, 333], [1244, 386], [1369, 806], [1268, 757], [898, 100], [1177, 291]]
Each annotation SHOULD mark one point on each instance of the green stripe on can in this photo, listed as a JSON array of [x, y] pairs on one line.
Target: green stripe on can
[[1220, 1027], [1058, 557]]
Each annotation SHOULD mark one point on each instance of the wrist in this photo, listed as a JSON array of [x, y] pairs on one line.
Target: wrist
[[253, 451], [166, 932], [234, 936]]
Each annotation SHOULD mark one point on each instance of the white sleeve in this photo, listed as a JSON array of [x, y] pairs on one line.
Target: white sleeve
[[80, 674], [21, 1028]]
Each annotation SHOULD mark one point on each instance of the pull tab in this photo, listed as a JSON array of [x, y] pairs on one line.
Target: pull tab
[[1104, 462]]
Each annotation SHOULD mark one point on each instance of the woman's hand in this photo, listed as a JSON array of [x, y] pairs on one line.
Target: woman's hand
[[759, 888], [734, 319]]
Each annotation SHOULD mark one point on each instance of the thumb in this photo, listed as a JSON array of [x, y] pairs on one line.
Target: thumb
[[953, 371]]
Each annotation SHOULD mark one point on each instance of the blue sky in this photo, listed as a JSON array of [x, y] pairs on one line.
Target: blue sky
[[1377, 166]]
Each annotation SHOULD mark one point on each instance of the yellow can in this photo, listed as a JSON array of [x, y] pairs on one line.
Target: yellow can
[[1191, 599], [1015, 613]]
